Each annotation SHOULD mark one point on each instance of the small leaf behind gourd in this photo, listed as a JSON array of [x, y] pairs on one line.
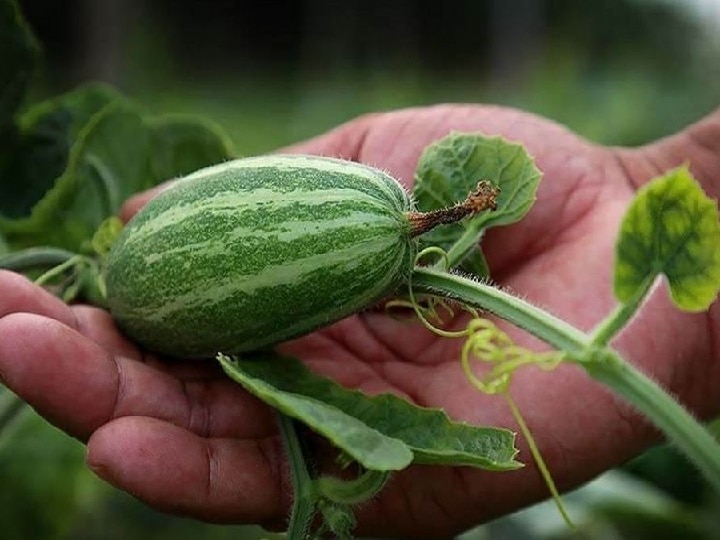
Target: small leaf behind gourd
[[671, 228], [105, 149], [452, 167], [107, 162], [184, 143], [45, 136], [19, 52]]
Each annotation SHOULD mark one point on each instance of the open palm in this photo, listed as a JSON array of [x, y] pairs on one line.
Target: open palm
[[184, 439]]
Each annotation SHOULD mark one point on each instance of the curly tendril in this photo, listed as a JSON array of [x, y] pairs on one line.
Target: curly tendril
[[487, 343]]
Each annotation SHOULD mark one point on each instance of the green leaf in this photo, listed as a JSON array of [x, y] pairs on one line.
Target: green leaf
[[429, 433], [671, 228], [76, 107], [105, 236], [108, 162], [48, 131], [116, 153], [452, 167], [184, 143], [367, 446], [18, 55]]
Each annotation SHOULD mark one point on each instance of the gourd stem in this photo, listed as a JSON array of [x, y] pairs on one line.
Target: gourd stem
[[483, 198], [355, 491], [31, 258]]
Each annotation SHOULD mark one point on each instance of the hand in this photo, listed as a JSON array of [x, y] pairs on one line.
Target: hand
[[182, 438]]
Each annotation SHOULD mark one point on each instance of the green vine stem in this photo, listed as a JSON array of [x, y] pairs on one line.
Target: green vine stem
[[105, 183], [540, 462], [539, 323], [618, 319], [87, 281], [10, 407], [683, 430], [304, 500], [35, 258], [602, 364], [468, 241], [355, 491]]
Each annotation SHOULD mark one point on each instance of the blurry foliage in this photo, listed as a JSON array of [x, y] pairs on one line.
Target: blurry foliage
[[619, 72], [613, 506], [18, 50], [48, 494], [657, 35]]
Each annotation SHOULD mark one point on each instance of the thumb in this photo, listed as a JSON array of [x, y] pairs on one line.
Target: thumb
[[131, 206], [698, 146], [344, 141]]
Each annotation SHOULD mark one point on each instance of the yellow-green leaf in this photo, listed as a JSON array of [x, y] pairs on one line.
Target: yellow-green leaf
[[105, 236], [671, 228]]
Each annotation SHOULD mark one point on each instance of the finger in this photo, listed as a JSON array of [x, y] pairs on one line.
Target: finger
[[697, 145], [19, 294], [78, 386], [390, 141], [41, 361], [219, 480], [98, 325], [343, 142], [136, 202]]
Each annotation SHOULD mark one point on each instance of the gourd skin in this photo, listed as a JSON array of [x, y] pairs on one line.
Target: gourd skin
[[246, 254]]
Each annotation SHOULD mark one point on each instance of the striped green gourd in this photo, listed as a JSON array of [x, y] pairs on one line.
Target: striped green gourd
[[248, 253]]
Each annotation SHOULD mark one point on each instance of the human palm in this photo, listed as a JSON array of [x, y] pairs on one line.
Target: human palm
[[183, 438]]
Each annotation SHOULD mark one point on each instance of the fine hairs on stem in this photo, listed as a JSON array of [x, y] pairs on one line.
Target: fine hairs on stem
[[601, 362]]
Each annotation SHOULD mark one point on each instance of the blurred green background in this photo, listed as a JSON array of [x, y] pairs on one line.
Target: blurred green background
[[618, 72]]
